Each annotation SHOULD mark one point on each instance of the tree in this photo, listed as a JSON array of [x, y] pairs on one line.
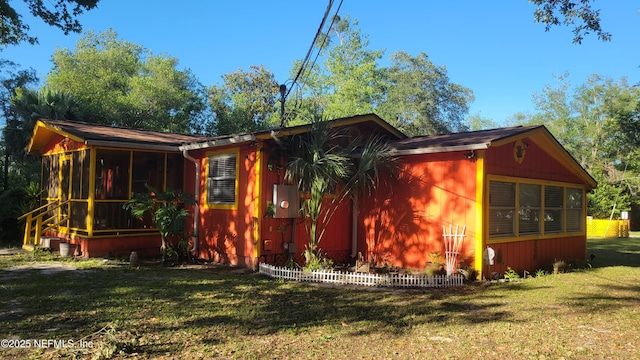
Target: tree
[[578, 14], [352, 80], [11, 79], [246, 101], [413, 94], [30, 105], [477, 122], [59, 13], [123, 84], [420, 99], [589, 122]]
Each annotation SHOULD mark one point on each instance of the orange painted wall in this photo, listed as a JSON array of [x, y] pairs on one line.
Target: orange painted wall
[[144, 245], [403, 226], [59, 143], [226, 235]]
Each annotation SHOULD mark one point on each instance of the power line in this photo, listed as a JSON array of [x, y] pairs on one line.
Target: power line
[[284, 92], [313, 43], [333, 19]]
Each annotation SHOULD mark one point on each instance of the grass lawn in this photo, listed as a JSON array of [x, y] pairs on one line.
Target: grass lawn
[[110, 310]]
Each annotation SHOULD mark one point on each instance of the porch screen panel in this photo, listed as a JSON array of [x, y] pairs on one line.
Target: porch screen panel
[[79, 212], [502, 208], [553, 208], [86, 162], [50, 173], [112, 174], [148, 168], [77, 175], [221, 181], [175, 172], [574, 212], [111, 215]]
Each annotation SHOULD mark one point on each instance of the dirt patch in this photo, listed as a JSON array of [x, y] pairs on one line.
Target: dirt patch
[[45, 268]]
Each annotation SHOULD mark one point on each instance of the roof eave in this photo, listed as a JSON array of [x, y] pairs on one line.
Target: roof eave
[[131, 145], [441, 149], [235, 140]]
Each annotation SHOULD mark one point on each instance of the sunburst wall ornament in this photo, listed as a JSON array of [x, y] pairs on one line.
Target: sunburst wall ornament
[[519, 150]]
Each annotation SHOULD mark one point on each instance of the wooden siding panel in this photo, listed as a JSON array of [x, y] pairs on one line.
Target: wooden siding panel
[[537, 254], [536, 164]]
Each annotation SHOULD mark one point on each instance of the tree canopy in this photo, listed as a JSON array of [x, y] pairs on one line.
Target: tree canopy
[[578, 14], [246, 101], [591, 121], [120, 83], [412, 94], [58, 13]]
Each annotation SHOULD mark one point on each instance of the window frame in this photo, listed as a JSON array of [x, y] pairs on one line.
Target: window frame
[[543, 233], [222, 154]]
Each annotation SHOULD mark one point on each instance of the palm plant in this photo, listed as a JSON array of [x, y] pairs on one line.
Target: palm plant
[[166, 210], [326, 161]]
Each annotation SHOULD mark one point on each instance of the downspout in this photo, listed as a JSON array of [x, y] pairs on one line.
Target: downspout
[[196, 206]]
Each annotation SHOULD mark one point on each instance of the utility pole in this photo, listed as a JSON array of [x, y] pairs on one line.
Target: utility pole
[[283, 91]]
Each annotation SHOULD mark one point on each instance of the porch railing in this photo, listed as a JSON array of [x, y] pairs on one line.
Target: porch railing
[[39, 220]]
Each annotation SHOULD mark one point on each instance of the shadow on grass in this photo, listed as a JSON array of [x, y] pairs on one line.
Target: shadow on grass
[[614, 252], [218, 305]]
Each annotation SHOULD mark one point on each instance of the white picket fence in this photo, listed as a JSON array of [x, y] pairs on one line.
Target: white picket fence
[[366, 279]]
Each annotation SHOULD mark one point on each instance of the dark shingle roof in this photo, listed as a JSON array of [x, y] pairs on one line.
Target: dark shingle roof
[[462, 139], [87, 131]]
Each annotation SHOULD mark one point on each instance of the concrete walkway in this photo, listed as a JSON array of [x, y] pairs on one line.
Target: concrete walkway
[[12, 251]]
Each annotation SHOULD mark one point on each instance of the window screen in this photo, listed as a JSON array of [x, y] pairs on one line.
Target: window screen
[[502, 208], [574, 209], [553, 208], [530, 206]]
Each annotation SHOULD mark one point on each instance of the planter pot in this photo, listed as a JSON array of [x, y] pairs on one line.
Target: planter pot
[[64, 249], [133, 259]]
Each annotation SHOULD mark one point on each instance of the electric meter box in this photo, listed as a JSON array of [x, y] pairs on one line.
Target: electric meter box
[[286, 201]]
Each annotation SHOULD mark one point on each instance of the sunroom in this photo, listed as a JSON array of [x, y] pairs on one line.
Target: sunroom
[[88, 173]]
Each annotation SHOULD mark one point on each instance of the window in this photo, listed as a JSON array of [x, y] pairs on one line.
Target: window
[[221, 179], [502, 208], [541, 209], [553, 208], [529, 210]]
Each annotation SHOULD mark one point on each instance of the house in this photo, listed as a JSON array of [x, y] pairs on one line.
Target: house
[[516, 191]]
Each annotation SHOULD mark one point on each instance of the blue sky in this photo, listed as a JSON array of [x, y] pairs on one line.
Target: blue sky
[[492, 47]]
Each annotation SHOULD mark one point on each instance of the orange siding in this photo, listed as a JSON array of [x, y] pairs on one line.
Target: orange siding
[[401, 228], [144, 245]]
